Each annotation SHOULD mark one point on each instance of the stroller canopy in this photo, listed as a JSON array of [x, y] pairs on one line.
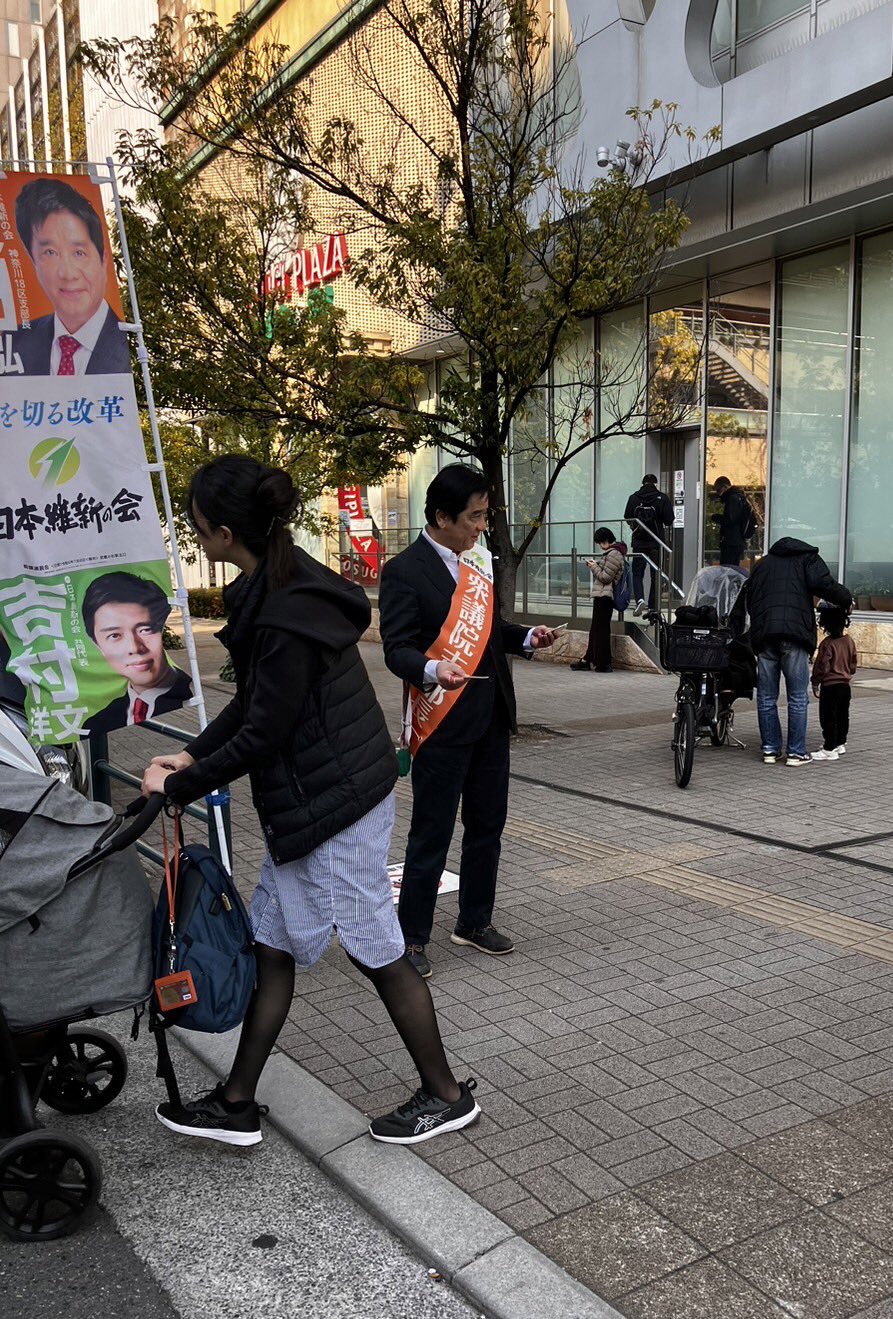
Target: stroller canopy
[[719, 587], [69, 948], [44, 828]]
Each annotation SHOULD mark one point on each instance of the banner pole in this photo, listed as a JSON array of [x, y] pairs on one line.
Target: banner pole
[[136, 328]]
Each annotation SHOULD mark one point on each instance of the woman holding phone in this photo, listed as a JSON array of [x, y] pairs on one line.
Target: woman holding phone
[[606, 570]]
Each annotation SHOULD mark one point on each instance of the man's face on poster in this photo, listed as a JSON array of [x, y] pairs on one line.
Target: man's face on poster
[[131, 644], [69, 268]]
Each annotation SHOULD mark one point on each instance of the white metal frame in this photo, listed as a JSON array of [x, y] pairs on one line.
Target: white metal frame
[[181, 598]]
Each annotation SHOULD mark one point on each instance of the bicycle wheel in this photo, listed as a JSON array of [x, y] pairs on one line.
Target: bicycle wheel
[[684, 743], [719, 733]]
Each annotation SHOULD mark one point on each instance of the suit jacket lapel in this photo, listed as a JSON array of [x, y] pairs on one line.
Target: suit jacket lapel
[[434, 568]]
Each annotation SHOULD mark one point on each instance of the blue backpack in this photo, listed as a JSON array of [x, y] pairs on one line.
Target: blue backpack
[[211, 939], [623, 587]]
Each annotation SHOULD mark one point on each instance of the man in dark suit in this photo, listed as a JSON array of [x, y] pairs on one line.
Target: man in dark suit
[[125, 616], [64, 238], [467, 754]]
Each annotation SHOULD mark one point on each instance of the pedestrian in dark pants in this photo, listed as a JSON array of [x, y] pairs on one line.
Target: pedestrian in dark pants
[[606, 571], [832, 673], [648, 511], [736, 522], [780, 595]]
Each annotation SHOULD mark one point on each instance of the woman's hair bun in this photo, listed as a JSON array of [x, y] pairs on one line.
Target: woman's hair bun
[[276, 492]]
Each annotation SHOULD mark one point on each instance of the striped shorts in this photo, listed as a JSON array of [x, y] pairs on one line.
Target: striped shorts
[[343, 885]]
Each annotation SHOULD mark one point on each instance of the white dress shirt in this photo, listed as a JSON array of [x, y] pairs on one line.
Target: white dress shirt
[[451, 559], [86, 336]]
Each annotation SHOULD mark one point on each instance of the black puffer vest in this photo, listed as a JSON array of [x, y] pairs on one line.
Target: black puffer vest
[[341, 761]]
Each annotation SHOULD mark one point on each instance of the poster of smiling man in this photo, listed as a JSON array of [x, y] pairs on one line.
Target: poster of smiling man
[[84, 574]]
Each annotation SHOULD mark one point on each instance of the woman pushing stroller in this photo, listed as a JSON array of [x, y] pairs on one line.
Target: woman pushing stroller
[[306, 727]]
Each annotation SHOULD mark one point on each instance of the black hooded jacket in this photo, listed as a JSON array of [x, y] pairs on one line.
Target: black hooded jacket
[[781, 591], [304, 724], [648, 497]]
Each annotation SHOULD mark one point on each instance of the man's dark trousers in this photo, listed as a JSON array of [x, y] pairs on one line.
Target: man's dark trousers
[[479, 773]]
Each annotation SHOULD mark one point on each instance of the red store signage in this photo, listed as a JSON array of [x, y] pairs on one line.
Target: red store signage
[[310, 267]]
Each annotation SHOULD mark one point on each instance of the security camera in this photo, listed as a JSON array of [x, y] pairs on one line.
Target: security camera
[[603, 157]]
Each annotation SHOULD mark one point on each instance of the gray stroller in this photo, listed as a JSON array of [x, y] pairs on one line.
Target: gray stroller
[[75, 943]]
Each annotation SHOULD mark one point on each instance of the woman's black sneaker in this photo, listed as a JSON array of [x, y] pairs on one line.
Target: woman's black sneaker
[[581, 666], [214, 1118], [424, 1116]]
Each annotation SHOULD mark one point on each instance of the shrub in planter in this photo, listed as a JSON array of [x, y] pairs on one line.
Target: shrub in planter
[[206, 602]]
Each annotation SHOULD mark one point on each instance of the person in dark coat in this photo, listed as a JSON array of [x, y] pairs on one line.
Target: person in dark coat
[[467, 755], [735, 522], [648, 512], [780, 596], [306, 728]]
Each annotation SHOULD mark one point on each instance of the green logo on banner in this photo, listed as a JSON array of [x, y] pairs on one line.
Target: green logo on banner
[[58, 459]]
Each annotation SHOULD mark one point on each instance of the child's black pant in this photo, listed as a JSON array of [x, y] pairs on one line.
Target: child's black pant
[[834, 714]]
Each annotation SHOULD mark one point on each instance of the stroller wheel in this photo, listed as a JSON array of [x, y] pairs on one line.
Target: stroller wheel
[[49, 1186], [87, 1071]]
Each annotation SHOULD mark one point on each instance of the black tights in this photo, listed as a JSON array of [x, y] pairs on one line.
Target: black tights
[[401, 989]]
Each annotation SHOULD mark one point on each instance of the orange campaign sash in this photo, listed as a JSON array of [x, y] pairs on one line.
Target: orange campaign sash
[[462, 639]]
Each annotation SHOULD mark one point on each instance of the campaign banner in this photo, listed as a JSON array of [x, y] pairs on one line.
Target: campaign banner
[[364, 565], [84, 574]]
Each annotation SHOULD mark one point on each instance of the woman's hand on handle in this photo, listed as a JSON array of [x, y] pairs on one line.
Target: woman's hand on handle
[[154, 779], [182, 760]]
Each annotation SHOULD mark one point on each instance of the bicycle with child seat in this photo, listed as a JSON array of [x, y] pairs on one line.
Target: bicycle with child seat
[[703, 708]]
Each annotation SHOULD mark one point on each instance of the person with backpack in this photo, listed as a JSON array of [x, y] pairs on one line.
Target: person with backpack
[[737, 522], [306, 727], [607, 572], [648, 512], [780, 597]]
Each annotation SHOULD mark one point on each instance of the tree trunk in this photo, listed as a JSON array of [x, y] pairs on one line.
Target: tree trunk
[[505, 565]]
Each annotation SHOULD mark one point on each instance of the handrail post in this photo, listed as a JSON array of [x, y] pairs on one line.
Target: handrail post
[[573, 581], [524, 586]]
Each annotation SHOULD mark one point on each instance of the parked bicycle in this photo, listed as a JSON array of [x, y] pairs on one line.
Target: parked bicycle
[[707, 646]]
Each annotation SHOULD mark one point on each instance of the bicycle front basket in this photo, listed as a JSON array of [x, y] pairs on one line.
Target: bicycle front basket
[[702, 648]]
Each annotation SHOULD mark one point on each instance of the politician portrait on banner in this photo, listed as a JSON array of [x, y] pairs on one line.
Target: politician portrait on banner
[[84, 574]]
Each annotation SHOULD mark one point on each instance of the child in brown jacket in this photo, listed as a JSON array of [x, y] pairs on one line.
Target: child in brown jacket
[[832, 673]]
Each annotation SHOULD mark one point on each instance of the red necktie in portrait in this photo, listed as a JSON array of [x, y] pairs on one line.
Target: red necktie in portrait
[[140, 710], [68, 347]]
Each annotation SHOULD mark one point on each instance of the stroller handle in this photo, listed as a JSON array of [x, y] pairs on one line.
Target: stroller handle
[[143, 812]]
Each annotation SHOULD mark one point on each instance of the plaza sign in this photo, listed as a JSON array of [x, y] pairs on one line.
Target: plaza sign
[[309, 268]]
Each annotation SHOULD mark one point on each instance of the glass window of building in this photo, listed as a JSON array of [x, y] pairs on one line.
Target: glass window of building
[[738, 369], [573, 419], [621, 407], [675, 355], [811, 396], [869, 545]]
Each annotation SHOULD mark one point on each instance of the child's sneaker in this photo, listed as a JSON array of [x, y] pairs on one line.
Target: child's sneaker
[[841, 750], [822, 754]]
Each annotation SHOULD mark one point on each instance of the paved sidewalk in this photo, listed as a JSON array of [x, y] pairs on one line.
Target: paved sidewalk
[[686, 1068]]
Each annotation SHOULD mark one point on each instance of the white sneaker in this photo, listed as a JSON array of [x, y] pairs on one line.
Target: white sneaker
[[841, 751], [639, 609], [822, 754], [799, 760]]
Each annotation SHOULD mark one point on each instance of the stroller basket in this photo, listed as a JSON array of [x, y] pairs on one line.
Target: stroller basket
[[705, 649]]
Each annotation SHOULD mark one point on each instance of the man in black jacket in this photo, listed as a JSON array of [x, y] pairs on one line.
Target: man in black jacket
[[648, 511], [735, 522], [467, 754], [780, 595]]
